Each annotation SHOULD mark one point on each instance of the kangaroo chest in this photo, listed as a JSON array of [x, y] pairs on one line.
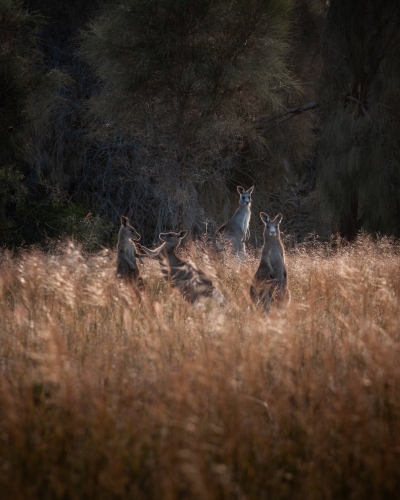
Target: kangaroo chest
[[242, 219], [272, 257], [130, 251]]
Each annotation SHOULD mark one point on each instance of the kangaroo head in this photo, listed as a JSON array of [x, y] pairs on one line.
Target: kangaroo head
[[129, 231], [271, 226], [172, 239], [245, 196]]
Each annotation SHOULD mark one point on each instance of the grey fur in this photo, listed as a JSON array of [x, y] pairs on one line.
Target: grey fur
[[270, 281], [126, 254], [185, 276], [237, 228]]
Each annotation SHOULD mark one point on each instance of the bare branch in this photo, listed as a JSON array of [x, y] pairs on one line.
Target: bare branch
[[363, 109], [283, 117]]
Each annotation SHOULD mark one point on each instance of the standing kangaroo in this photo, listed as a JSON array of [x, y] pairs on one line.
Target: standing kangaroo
[[270, 281], [126, 256], [237, 228], [187, 278]]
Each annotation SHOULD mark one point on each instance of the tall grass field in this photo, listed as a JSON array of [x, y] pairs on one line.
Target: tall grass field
[[104, 395]]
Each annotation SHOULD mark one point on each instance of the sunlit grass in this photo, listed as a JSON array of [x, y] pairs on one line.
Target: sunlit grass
[[106, 396]]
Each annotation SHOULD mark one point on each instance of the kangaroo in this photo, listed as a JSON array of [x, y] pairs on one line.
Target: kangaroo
[[186, 277], [237, 228], [126, 256], [270, 281]]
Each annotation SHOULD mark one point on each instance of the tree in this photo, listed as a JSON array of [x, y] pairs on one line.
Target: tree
[[26, 91], [359, 122], [186, 79]]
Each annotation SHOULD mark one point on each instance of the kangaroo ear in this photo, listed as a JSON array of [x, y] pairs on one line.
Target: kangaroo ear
[[240, 190], [249, 191], [124, 220], [278, 219], [182, 234], [264, 217]]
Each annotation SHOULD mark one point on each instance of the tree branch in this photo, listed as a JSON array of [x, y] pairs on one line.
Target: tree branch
[[363, 109], [285, 116]]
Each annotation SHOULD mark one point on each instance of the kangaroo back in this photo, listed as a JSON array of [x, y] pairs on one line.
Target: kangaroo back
[[185, 276], [126, 254]]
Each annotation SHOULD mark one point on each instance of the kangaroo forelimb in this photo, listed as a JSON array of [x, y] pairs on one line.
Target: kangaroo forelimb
[[128, 261]]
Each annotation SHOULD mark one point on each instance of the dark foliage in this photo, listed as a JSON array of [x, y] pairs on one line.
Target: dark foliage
[[163, 121], [184, 80], [26, 98], [359, 139]]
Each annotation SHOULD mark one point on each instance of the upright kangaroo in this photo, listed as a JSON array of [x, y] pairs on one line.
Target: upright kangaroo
[[126, 256], [187, 278], [237, 228], [270, 281]]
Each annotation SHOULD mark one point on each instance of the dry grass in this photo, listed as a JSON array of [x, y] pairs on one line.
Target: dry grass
[[102, 397]]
